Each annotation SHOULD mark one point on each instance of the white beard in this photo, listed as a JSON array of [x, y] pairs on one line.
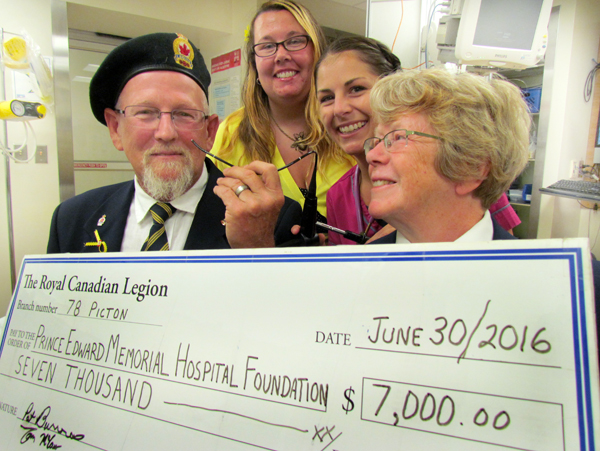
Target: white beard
[[165, 189]]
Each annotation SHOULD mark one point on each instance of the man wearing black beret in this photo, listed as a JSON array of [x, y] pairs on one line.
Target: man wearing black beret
[[152, 94]]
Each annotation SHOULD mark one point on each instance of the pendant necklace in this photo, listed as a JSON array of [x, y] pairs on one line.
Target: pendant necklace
[[297, 140]]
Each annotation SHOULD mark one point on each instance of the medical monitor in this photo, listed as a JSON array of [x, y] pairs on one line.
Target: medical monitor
[[503, 33]]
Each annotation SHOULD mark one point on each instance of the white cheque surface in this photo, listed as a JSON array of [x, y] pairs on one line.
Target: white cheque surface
[[349, 348]]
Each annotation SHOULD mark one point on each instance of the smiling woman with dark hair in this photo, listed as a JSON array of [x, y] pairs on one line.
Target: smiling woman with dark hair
[[345, 75]]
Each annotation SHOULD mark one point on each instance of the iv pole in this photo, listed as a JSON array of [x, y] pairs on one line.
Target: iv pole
[[11, 237]]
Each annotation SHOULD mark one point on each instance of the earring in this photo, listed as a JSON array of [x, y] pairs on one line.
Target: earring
[[258, 82]]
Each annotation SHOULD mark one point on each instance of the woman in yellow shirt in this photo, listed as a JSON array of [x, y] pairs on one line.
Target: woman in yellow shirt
[[280, 118]]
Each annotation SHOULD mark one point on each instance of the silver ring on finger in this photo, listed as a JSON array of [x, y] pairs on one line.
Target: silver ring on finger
[[239, 190]]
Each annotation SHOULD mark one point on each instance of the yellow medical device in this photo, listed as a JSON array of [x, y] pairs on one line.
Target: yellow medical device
[[15, 51], [17, 110], [16, 48]]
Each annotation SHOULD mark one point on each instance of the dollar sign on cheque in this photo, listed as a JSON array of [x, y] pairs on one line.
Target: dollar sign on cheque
[[350, 404]]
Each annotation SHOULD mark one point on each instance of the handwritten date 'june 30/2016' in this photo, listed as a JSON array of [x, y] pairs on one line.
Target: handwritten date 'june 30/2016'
[[457, 334]]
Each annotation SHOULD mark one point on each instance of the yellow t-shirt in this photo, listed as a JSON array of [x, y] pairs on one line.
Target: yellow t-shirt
[[239, 158]]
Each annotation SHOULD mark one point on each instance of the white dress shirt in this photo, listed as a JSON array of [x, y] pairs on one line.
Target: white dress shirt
[[139, 220], [482, 231]]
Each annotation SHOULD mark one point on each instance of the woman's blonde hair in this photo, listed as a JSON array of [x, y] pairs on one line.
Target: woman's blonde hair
[[254, 130], [483, 123]]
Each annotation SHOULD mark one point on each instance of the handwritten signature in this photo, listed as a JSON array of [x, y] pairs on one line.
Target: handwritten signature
[[49, 430]]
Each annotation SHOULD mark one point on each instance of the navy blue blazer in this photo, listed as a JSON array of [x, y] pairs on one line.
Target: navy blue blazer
[[75, 220]]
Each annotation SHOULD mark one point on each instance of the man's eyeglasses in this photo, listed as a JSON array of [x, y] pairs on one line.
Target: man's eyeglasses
[[149, 117], [395, 136], [292, 44]]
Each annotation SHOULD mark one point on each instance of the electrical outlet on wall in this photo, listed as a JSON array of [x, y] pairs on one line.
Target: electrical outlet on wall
[[41, 154], [21, 155], [576, 169], [573, 169]]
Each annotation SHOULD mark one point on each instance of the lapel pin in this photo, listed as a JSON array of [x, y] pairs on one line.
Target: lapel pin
[[102, 220], [101, 245]]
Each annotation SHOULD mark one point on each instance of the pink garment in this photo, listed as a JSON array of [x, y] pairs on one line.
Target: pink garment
[[504, 214], [346, 210]]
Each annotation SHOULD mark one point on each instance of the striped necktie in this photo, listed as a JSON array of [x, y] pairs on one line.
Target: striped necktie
[[157, 239]]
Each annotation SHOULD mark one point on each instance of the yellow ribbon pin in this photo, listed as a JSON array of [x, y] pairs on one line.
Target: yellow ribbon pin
[[101, 244]]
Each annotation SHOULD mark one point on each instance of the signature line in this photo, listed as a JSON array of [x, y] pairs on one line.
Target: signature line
[[234, 413]]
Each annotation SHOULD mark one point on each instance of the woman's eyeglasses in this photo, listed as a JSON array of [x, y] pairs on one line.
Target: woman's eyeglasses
[[293, 44], [231, 165], [395, 136]]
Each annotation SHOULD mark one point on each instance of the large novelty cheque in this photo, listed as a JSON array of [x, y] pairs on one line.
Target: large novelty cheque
[[351, 348]]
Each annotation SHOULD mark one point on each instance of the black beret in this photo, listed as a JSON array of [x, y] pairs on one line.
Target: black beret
[[157, 51]]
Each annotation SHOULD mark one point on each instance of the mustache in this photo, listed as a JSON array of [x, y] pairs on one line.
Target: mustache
[[159, 150], [167, 150]]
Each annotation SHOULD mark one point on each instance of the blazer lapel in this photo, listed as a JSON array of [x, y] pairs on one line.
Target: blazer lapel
[[206, 231], [109, 220]]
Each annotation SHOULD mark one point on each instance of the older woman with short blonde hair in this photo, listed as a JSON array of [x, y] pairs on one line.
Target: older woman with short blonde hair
[[450, 146]]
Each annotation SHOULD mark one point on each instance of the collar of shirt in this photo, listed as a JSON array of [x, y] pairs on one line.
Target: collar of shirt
[[482, 231], [177, 227], [186, 203]]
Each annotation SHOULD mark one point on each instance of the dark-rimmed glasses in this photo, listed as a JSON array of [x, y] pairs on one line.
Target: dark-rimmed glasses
[[310, 152], [149, 117], [293, 44], [399, 136]]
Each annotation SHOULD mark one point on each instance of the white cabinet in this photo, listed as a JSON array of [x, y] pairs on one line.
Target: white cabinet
[[528, 79]]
